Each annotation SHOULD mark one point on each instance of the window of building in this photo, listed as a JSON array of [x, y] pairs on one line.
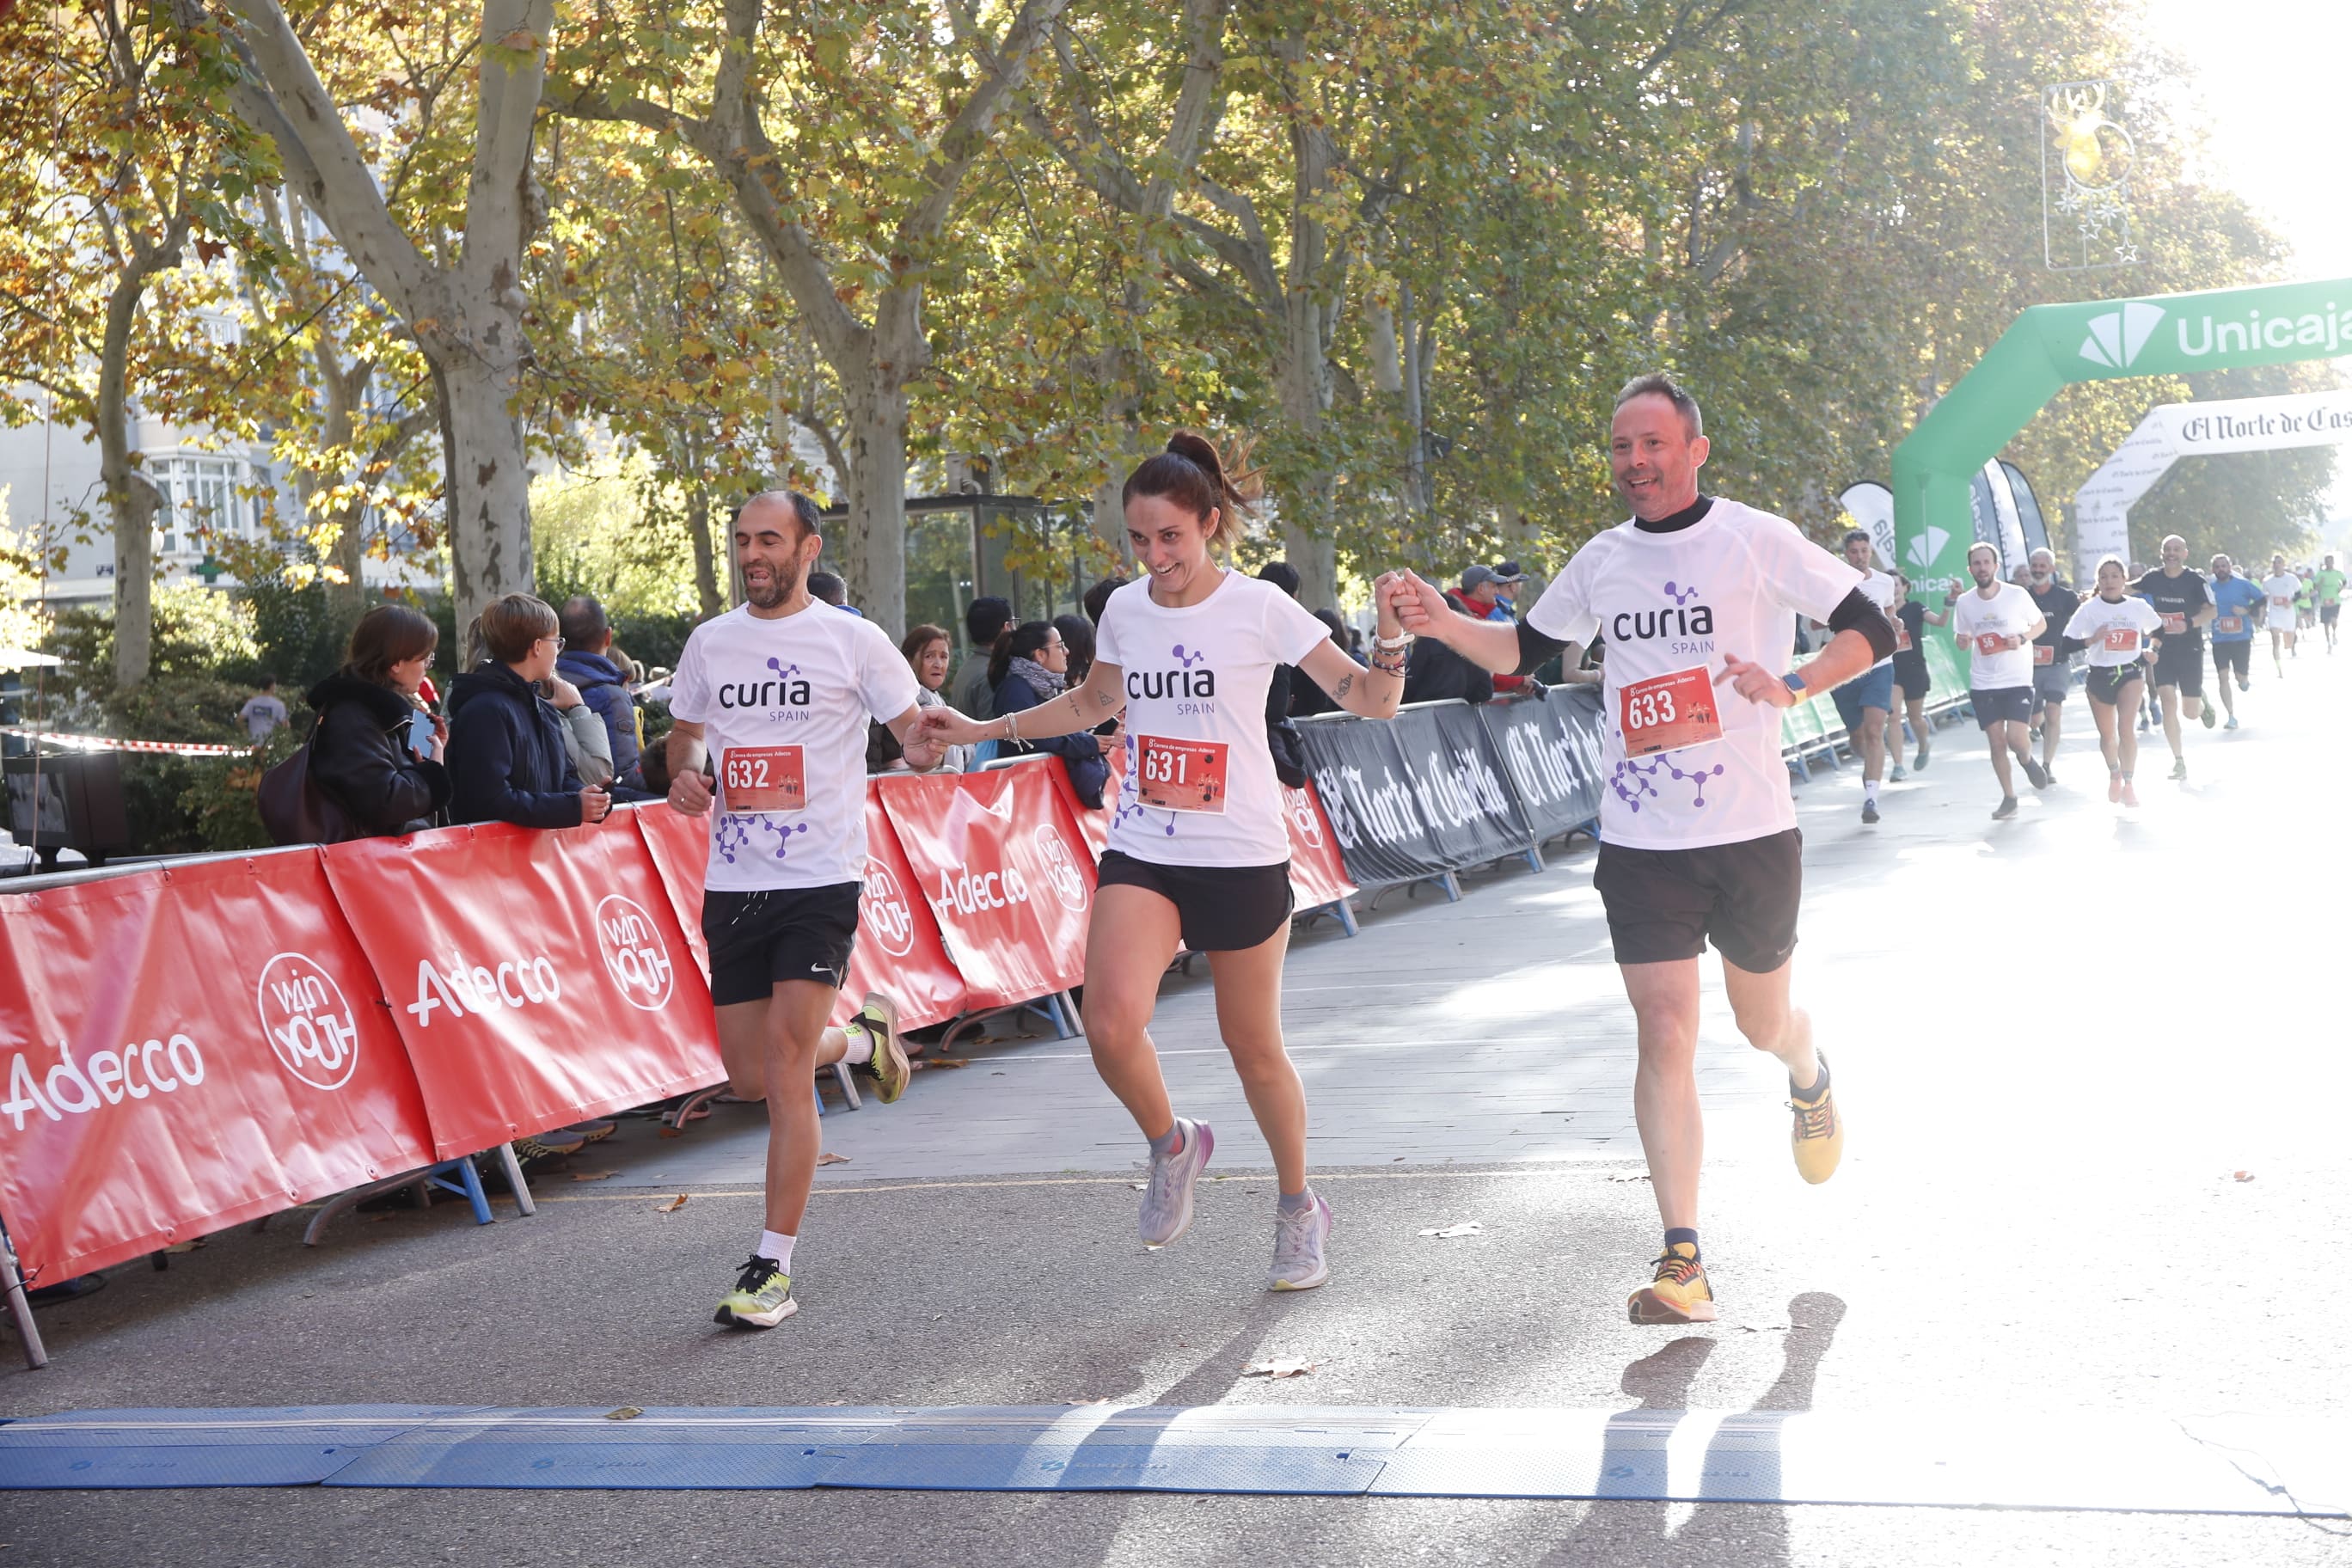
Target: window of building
[[201, 501]]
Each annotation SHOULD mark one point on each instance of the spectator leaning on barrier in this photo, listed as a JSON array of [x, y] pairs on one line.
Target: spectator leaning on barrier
[[507, 760], [928, 650], [972, 692], [1281, 735], [263, 711], [377, 752], [590, 662], [1031, 667]]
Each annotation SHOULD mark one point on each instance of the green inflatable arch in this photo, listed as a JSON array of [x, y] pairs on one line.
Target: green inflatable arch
[[2050, 346]]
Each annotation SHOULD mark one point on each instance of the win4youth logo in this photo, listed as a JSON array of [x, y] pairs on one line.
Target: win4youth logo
[[2116, 336]]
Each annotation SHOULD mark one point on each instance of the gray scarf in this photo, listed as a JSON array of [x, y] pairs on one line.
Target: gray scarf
[[1042, 682]]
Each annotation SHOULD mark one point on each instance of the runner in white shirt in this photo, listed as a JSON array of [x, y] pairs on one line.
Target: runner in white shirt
[[1994, 622], [2112, 628], [1864, 702], [780, 690], [2279, 590], [1698, 598], [1198, 851]]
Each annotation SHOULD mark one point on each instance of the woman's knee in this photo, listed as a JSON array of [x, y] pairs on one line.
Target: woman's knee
[[1111, 1018]]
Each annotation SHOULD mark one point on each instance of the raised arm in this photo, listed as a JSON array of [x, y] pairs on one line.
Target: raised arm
[[1421, 608], [1104, 696]]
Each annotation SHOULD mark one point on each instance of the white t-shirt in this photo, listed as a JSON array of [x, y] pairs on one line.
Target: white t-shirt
[[1880, 589], [2010, 612], [2114, 634], [1703, 763], [783, 705], [1198, 789], [2278, 610]]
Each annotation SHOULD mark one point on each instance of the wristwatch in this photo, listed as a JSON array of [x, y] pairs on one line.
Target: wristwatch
[[1796, 682]]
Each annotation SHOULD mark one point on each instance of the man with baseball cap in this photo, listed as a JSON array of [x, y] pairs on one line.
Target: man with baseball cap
[[1507, 578]]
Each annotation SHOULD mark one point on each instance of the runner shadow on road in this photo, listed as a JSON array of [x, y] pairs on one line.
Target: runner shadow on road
[[1749, 1535], [1215, 1373]]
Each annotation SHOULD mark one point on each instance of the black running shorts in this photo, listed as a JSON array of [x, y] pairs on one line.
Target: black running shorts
[[2328, 613], [2229, 657], [2180, 661], [1668, 904], [1911, 674], [1223, 909], [787, 933], [2001, 705], [2106, 683]]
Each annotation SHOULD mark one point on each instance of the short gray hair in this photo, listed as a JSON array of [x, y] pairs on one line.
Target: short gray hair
[[803, 509], [1659, 384]]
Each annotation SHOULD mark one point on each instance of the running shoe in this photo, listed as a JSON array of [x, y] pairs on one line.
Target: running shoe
[[1919, 761], [1299, 1239], [2180, 767], [1167, 1208], [762, 1299], [1898, 776], [2006, 809], [1677, 1291], [1869, 812], [2114, 788], [2033, 772], [2243, 687], [2232, 724], [878, 1016], [2205, 712], [2034, 734], [1817, 1136], [2131, 795], [594, 1131]]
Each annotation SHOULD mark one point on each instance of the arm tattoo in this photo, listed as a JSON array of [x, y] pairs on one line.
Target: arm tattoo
[[1347, 684], [1077, 710], [1105, 699]]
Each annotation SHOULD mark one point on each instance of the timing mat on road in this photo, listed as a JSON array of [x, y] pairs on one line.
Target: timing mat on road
[[2293, 1465]]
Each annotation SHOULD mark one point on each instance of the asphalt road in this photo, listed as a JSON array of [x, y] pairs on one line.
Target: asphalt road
[[2059, 1041]]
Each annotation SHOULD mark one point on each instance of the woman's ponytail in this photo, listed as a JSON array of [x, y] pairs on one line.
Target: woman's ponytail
[[1194, 473]]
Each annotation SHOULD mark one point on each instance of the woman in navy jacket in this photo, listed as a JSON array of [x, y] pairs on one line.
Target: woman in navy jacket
[[1031, 665], [505, 755]]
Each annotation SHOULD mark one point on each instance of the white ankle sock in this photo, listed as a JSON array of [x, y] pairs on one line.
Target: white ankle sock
[[1870, 791], [861, 1046], [779, 1247]]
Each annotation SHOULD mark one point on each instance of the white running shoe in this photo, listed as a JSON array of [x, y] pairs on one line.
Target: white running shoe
[[1167, 1208], [1299, 1239]]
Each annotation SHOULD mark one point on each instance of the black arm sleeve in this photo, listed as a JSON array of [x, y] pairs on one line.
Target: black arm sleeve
[[1536, 651], [1855, 612]]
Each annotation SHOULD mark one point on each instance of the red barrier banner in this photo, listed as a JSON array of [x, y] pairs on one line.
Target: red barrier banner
[[537, 977], [1092, 823], [1316, 874], [185, 1050], [1006, 874], [680, 846], [899, 951]]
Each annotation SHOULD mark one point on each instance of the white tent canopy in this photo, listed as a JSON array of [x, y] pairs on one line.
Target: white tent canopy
[[2172, 431]]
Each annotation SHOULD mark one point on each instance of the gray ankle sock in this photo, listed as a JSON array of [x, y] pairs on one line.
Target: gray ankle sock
[[1169, 1141], [1295, 1203]]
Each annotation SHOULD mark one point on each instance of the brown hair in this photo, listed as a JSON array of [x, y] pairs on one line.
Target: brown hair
[[1194, 475], [1658, 384], [920, 636], [510, 626], [388, 635]]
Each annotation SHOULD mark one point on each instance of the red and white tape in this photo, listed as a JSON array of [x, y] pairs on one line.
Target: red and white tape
[[109, 743]]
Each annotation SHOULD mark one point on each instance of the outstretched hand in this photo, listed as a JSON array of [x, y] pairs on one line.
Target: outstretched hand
[[945, 727], [1418, 604], [1756, 683]]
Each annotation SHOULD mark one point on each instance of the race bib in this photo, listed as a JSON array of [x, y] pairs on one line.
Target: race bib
[[2230, 624], [1902, 638], [1180, 775], [2044, 653], [1989, 643], [762, 778], [1667, 712], [2122, 640], [2280, 601]]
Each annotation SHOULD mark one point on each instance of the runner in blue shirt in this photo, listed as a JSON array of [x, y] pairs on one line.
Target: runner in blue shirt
[[2236, 601]]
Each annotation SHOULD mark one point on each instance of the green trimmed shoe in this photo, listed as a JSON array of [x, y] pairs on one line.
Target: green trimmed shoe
[[878, 1016], [762, 1299]]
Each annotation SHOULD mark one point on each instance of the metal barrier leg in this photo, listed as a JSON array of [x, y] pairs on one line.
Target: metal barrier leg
[[472, 1181], [36, 1355], [514, 1180], [1346, 916], [1066, 1007], [1534, 858], [1452, 886], [698, 1100], [848, 1088]]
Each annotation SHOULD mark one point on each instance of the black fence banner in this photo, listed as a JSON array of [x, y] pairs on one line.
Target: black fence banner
[[1361, 777], [1551, 752], [1471, 812]]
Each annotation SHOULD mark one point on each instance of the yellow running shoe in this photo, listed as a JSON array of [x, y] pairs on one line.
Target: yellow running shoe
[[889, 1069], [762, 1299], [1677, 1291], [1817, 1137]]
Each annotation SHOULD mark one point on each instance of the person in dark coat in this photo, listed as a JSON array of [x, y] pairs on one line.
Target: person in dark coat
[[1031, 665], [507, 756], [366, 752], [586, 661]]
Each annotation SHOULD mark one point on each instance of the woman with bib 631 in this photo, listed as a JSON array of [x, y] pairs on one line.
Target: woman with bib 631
[[1198, 850]]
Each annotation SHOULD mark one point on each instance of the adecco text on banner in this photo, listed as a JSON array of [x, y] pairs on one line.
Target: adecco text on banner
[[113, 1077], [515, 983], [307, 1020]]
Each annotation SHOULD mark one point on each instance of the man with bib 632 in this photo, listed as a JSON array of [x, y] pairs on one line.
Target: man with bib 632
[[1698, 598]]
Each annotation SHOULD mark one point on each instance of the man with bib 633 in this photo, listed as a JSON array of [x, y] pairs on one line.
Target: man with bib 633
[[1697, 596]]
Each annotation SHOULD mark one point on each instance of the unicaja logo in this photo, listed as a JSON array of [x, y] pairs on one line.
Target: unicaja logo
[[2116, 337], [1924, 547]]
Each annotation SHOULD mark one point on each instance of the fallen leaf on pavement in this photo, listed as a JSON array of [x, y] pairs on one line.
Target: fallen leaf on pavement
[[2242, 1176], [672, 1207], [592, 1176], [1282, 1366], [1468, 1227], [673, 1133], [833, 1159], [1629, 1175], [625, 1413], [946, 1062], [1140, 1186], [191, 1246]]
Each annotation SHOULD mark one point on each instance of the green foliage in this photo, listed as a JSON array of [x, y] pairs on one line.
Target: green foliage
[[200, 633], [594, 534], [219, 801], [300, 632]]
